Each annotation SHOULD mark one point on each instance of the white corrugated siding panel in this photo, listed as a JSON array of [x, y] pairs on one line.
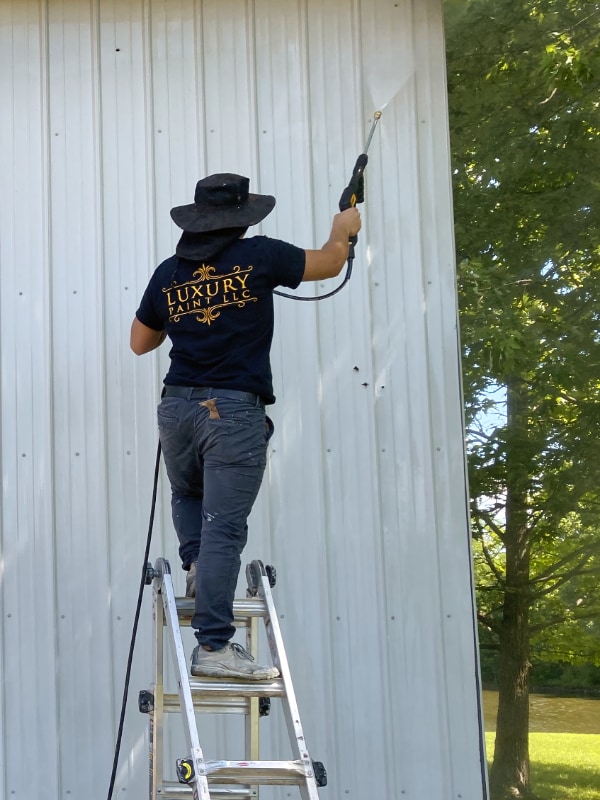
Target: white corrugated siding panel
[[111, 111]]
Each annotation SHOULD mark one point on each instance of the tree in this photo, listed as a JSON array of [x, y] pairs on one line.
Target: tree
[[565, 603], [523, 80]]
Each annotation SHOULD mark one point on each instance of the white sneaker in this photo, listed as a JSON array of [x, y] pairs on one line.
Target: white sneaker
[[232, 661]]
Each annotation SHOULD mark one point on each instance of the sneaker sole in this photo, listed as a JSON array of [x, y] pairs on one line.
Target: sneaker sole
[[223, 672]]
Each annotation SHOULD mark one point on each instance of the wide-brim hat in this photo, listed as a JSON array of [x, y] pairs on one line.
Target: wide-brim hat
[[222, 201]]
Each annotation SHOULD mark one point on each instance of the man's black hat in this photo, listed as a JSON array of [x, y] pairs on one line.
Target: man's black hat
[[222, 201]]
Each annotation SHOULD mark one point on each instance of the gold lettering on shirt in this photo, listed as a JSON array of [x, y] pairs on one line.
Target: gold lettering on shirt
[[208, 293]]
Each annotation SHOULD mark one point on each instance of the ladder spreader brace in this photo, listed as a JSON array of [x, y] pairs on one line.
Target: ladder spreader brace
[[205, 779]]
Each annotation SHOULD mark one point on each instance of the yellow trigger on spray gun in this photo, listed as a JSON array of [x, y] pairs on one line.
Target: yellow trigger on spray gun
[[355, 191]]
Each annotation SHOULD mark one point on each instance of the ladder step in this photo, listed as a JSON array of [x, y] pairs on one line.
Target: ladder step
[[218, 696], [248, 773], [256, 772], [174, 791], [238, 688], [243, 609]]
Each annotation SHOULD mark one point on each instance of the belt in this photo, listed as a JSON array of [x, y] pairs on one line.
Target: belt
[[207, 392]]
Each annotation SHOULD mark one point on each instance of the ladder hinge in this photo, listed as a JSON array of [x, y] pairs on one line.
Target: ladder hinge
[[146, 702], [185, 770]]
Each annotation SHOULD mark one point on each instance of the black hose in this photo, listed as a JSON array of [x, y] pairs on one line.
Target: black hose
[[321, 296], [135, 627]]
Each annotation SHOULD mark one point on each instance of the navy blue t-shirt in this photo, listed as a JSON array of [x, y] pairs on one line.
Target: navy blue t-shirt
[[219, 315]]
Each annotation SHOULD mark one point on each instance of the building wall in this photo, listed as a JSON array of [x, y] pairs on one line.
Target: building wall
[[111, 110]]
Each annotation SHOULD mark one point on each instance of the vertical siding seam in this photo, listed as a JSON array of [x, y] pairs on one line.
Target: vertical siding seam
[[100, 198], [49, 345], [252, 92], [200, 72]]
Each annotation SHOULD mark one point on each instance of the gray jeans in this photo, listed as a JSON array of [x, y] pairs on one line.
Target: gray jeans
[[214, 443]]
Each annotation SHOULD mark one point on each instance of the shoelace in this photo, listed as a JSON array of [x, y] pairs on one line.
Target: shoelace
[[241, 651]]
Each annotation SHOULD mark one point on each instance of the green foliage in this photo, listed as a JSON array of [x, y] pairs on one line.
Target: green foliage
[[580, 679], [565, 603], [524, 80], [524, 98]]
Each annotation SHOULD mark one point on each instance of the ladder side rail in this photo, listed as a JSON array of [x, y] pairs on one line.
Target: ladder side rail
[[183, 682], [252, 718], [290, 708], [157, 714]]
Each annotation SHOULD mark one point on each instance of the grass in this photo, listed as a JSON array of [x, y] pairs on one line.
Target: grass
[[564, 766]]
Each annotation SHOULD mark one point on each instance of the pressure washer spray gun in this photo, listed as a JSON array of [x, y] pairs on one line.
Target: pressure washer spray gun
[[353, 193]]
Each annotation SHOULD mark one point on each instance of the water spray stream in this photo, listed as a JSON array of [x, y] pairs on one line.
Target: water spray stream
[[388, 66]]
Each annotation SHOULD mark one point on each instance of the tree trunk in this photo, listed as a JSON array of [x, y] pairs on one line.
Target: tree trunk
[[509, 775]]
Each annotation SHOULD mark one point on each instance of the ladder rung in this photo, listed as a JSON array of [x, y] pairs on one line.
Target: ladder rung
[[217, 696], [238, 688], [243, 609], [221, 705], [174, 791], [256, 772]]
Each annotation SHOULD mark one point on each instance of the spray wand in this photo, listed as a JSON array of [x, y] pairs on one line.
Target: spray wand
[[353, 193]]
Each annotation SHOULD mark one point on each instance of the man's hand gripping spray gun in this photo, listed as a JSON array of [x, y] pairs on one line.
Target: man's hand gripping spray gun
[[355, 191]]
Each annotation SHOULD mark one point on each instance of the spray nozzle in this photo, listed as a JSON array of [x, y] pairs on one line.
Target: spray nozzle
[[376, 118]]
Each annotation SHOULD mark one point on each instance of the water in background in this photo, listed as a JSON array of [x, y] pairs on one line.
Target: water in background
[[548, 714]]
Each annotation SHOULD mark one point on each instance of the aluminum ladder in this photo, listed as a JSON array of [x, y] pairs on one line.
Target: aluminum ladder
[[205, 779]]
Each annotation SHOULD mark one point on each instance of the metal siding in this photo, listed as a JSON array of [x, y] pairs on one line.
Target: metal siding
[[117, 108], [26, 435]]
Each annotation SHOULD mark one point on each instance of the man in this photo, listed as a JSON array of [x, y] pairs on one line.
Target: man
[[214, 300]]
